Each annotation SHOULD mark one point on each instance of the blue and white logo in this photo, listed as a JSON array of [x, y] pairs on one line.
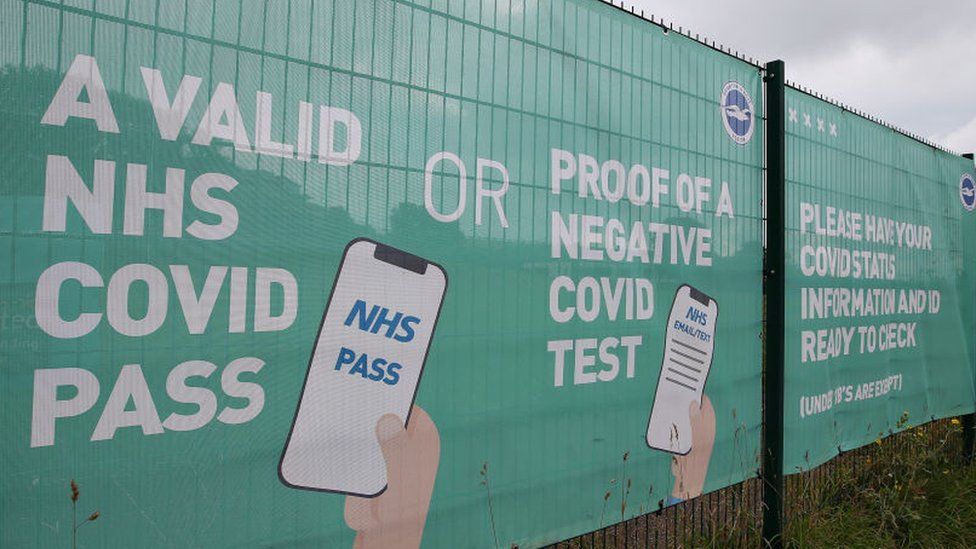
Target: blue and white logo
[[967, 191], [737, 113]]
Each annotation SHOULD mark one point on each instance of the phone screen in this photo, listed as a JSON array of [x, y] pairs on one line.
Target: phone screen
[[688, 343], [366, 363]]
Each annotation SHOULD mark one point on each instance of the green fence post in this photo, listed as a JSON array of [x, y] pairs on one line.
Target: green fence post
[[968, 420], [774, 289], [968, 437]]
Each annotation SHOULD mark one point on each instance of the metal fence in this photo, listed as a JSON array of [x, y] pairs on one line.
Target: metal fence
[[733, 516], [737, 515], [728, 517]]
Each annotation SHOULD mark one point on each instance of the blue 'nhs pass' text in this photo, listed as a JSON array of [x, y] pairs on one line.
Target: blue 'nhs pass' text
[[399, 327]]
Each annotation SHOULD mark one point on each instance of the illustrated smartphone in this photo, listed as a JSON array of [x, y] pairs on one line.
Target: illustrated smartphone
[[688, 343], [367, 362]]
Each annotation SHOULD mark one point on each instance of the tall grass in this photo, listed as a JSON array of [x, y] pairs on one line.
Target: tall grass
[[909, 490]]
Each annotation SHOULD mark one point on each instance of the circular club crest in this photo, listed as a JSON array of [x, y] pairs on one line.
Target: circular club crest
[[967, 191], [737, 113]]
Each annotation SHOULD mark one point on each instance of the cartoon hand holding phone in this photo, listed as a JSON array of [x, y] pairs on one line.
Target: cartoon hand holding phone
[[688, 345], [356, 430], [682, 420]]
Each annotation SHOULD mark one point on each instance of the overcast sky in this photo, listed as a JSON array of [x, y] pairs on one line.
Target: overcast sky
[[909, 62]]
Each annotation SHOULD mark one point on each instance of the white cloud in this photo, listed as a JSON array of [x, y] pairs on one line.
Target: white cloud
[[923, 90], [962, 139]]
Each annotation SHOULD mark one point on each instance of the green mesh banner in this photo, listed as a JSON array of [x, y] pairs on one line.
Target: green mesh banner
[[244, 243], [880, 317]]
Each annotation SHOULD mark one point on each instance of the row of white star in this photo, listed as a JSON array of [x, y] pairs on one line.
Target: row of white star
[[822, 125]]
